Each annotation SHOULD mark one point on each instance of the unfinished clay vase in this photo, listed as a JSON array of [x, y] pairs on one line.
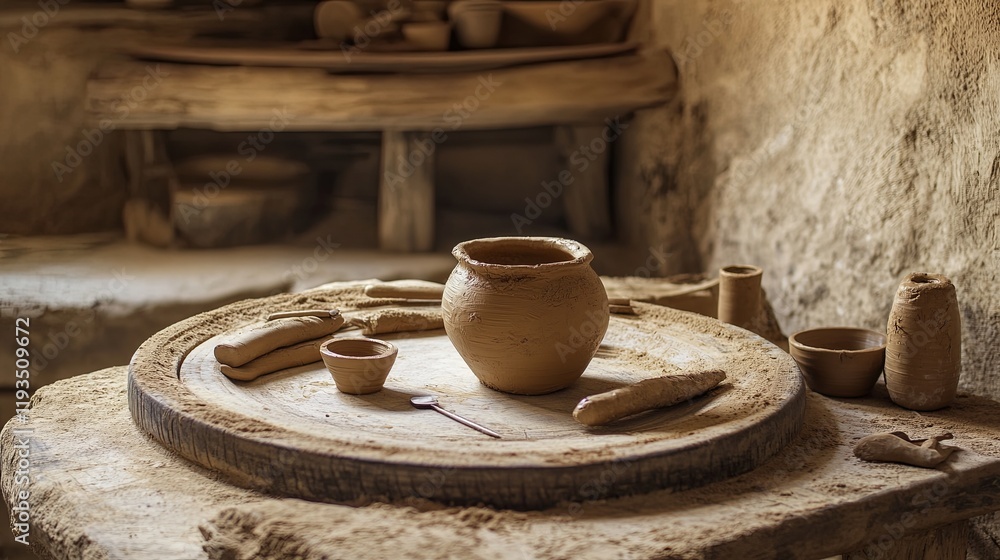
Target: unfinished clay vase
[[739, 295], [923, 356], [526, 314]]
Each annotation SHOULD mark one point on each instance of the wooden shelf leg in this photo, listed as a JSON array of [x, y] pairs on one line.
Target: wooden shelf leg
[[406, 192], [944, 543], [585, 154]]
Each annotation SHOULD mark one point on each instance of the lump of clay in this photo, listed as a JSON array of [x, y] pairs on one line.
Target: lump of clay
[[897, 447]]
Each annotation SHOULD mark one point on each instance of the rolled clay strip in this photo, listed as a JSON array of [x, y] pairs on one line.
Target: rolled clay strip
[[244, 347], [411, 291], [305, 313], [282, 358], [619, 301], [897, 447], [385, 321], [645, 395]]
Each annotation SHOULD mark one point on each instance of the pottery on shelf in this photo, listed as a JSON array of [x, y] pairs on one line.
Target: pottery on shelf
[[359, 366], [547, 23], [923, 356], [477, 22], [526, 314], [839, 361], [428, 35], [739, 295]]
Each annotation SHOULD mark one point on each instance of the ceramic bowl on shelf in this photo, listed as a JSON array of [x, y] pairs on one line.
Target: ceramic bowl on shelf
[[839, 361], [359, 366], [551, 23], [428, 35]]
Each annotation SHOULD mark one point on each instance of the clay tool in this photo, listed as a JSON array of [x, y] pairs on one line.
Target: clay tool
[[431, 402], [659, 392], [304, 313]]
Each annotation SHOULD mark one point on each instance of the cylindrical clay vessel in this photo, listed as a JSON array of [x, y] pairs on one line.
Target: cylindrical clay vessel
[[527, 314], [739, 295], [923, 355]]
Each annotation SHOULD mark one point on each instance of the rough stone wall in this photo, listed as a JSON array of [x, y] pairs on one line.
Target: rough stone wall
[[840, 144]]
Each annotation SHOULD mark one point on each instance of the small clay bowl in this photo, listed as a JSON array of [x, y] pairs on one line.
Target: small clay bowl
[[839, 361], [359, 365], [428, 35]]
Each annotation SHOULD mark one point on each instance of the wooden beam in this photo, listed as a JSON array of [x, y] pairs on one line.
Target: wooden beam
[[406, 192], [251, 98]]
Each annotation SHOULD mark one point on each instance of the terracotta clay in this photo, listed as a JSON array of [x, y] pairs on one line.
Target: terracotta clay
[[923, 355], [645, 395], [839, 361], [897, 447], [739, 295], [241, 348], [282, 358], [359, 365], [384, 321], [526, 314]]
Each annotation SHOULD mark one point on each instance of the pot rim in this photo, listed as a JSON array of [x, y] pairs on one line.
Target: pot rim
[[578, 252], [794, 341], [741, 271], [386, 348], [926, 281]]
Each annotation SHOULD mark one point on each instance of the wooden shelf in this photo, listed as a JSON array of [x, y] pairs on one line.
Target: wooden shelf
[[230, 98]]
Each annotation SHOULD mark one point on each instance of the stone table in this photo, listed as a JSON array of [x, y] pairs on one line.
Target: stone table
[[99, 488]]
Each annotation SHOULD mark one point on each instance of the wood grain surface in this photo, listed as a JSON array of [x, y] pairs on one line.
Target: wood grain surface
[[293, 434], [243, 98]]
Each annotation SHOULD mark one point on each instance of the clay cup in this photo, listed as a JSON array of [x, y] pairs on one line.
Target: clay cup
[[359, 365], [839, 361]]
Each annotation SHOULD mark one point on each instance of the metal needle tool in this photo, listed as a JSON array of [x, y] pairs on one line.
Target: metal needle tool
[[432, 403]]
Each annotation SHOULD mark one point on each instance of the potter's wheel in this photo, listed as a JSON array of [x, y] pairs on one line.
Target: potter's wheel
[[292, 433]]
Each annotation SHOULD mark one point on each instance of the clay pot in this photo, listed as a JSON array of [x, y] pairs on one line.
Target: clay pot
[[359, 365], [923, 356], [526, 314], [477, 22], [839, 361], [739, 295]]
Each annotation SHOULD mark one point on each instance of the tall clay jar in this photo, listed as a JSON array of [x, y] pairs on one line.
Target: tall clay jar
[[527, 314], [923, 355], [739, 295]]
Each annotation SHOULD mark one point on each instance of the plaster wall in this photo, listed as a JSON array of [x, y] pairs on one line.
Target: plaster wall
[[839, 144]]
